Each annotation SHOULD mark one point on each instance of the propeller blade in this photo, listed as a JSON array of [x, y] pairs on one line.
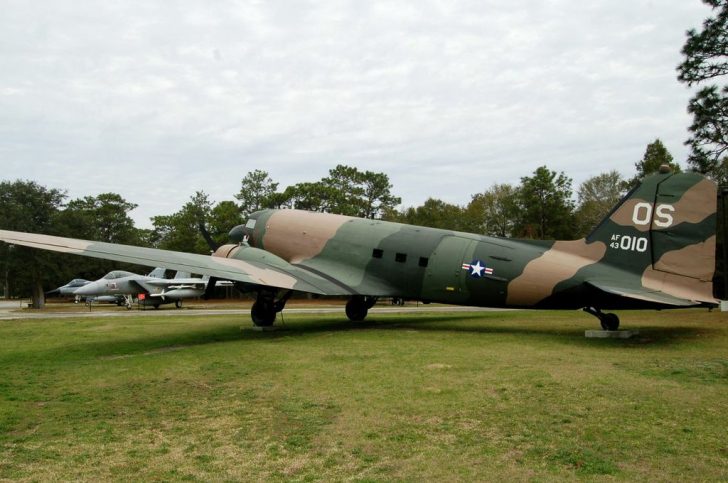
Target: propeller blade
[[206, 235], [209, 289]]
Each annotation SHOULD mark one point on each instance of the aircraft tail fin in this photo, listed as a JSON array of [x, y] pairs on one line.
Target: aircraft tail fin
[[158, 272], [664, 229]]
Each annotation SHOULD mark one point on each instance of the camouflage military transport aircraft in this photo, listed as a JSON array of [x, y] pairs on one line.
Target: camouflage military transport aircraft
[[656, 250]]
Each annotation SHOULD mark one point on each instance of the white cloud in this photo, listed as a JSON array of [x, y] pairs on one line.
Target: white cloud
[[156, 100]]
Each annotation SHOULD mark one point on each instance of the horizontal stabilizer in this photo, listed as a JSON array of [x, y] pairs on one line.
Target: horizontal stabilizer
[[643, 295]]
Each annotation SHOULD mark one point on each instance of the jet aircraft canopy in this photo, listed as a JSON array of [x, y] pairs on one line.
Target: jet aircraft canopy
[[117, 274]]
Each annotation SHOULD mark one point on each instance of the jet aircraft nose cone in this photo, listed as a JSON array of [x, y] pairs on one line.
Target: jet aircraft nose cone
[[88, 289]]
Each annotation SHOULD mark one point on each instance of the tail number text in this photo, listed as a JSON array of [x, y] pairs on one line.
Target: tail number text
[[628, 242]]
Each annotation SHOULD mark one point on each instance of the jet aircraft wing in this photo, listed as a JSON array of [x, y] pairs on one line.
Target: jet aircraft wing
[[265, 270]]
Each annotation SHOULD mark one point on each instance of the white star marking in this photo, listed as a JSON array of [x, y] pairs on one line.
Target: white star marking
[[477, 269]]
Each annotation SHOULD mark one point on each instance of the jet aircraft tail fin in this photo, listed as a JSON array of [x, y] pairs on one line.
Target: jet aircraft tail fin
[[664, 230], [158, 272]]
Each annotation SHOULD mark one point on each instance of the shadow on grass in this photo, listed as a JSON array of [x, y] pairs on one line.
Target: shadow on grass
[[497, 324], [118, 345]]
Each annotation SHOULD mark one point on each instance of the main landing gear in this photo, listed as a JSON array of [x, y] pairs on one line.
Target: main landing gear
[[608, 321], [358, 307], [266, 306]]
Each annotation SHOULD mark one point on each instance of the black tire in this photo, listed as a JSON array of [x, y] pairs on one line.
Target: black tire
[[178, 304], [610, 322], [356, 310], [263, 314], [156, 306]]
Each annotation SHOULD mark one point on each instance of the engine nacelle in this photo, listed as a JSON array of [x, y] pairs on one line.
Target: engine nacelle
[[252, 255]]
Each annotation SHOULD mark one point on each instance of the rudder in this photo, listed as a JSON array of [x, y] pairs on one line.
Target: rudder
[[666, 224]]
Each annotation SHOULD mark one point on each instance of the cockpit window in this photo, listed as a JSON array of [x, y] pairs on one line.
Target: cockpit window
[[117, 274], [250, 224]]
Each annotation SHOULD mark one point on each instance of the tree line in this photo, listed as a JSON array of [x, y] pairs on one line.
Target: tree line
[[542, 206]]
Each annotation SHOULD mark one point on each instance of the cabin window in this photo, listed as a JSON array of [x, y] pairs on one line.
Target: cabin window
[[251, 224], [424, 261], [400, 257], [377, 253]]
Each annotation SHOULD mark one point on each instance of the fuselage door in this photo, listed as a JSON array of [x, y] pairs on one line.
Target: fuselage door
[[445, 276]]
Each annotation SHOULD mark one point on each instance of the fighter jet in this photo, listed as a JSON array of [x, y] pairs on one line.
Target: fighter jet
[[69, 288], [155, 290], [655, 250]]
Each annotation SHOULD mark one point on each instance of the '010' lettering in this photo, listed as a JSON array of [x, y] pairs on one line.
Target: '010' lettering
[[627, 242]]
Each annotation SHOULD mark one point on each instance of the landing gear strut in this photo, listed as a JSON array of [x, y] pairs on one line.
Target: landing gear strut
[[358, 307], [608, 321], [266, 307]]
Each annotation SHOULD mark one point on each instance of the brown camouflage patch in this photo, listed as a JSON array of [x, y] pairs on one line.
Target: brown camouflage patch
[[296, 235], [696, 204], [561, 262], [678, 286], [623, 215], [696, 260], [226, 251], [263, 276]]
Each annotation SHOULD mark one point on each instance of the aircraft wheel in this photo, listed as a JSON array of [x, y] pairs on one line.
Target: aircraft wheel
[[178, 304], [128, 306], [356, 309], [609, 322], [263, 313], [156, 306]]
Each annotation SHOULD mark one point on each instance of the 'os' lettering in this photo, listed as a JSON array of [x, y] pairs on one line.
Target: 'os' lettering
[[642, 214], [663, 216]]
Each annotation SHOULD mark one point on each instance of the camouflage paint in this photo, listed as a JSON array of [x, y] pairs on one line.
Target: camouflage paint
[[655, 249]]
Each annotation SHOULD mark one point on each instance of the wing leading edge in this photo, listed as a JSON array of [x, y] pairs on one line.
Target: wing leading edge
[[256, 272]]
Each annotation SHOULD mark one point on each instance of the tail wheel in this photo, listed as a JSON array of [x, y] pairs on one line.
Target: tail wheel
[[609, 321]]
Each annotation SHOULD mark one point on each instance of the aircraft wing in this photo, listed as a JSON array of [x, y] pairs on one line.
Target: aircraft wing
[[643, 294], [265, 270]]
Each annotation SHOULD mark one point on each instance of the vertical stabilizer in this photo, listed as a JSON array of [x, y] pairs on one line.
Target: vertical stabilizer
[[664, 230]]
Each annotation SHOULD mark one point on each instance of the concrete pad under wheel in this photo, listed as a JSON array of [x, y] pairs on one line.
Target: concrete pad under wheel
[[610, 334], [271, 328]]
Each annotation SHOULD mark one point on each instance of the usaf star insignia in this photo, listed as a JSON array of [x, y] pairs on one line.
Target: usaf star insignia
[[477, 269]]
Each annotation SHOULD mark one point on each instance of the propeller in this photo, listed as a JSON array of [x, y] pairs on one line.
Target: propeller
[[206, 235], [210, 287]]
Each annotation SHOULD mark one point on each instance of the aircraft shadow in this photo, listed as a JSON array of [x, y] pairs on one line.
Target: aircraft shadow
[[651, 335], [225, 333]]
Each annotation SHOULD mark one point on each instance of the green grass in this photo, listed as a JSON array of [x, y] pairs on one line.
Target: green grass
[[498, 395]]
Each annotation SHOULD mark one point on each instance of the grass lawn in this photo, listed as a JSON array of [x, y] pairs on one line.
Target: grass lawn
[[491, 395]]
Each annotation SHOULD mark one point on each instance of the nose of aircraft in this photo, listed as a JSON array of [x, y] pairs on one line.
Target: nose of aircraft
[[88, 289], [237, 234]]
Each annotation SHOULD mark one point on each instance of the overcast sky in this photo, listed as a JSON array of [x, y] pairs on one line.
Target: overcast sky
[[155, 100]]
